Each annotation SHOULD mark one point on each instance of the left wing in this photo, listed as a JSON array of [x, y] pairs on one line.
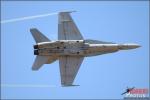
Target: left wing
[[67, 30], [69, 66]]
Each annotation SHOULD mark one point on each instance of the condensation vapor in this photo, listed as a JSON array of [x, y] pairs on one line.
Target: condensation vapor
[[27, 17], [26, 85]]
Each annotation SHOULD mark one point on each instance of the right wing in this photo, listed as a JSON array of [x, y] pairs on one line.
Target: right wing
[[69, 66], [67, 30]]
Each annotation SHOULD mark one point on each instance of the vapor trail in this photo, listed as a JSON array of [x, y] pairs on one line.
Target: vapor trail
[[27, 85], [28, 17]]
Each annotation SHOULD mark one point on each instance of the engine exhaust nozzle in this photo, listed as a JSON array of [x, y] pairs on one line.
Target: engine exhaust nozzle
[[35, 46], [36, 52]]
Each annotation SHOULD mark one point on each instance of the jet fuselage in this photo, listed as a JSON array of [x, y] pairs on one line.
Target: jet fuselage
[[78, 48]]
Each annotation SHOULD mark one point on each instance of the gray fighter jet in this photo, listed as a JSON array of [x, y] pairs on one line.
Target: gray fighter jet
[[128, 90], [70, 48]]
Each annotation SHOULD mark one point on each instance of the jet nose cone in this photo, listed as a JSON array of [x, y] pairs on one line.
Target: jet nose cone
[[137, 46], [128, 46], [133, 46]]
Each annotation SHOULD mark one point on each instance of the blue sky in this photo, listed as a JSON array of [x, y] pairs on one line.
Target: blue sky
[[99, 77]]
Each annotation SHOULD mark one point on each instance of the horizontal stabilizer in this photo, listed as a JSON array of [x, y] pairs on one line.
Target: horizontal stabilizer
[[38, 36], [39, 61]]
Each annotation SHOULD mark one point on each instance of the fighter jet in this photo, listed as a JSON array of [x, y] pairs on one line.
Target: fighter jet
[[127, 90], [70, 48]]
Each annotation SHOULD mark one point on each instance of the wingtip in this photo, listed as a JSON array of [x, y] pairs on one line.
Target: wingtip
[[67, 11], [64, 85]]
